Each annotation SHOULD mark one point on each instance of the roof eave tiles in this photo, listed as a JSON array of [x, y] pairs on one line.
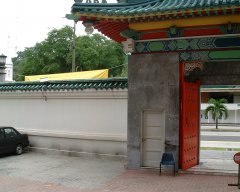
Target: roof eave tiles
[[112, 83], [153, 6]]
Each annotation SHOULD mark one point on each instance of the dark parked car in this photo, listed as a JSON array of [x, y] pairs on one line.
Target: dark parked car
[[12, 141]]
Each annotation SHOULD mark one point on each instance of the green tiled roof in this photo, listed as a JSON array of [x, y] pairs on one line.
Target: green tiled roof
[[114, 83], [151, 6]]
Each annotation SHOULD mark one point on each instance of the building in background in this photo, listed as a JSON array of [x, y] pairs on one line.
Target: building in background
[[6, 69], [231, 93], [9, 72]]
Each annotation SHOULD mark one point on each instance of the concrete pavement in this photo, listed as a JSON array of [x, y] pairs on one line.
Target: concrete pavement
[[220, 136], [130, 181], [218, 161], [221, 144], [87, 173], [214, 154], [215, 167], [219, 133], [34, 172]]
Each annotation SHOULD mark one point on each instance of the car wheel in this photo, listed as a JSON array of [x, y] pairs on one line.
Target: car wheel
[[19, 149]]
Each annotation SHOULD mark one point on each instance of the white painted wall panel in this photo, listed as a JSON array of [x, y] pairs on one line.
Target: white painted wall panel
[[70, 117]]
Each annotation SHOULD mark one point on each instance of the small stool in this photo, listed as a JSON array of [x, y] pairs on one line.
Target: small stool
[[167, 159]]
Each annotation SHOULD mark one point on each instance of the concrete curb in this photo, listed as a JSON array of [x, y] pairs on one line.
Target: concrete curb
[[207, 172]]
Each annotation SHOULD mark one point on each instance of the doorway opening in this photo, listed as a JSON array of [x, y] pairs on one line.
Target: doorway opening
[[218, 144]]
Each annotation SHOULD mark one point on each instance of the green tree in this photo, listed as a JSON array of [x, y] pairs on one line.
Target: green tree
[[54, 55], [217, 109], [98, 52], [48, 56]]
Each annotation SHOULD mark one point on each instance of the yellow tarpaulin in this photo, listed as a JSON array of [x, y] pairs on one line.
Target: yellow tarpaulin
[[96, 74]]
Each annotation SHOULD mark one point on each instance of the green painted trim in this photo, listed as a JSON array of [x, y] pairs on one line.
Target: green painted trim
[[215, 48], [220, 149], [195, 44], [219, 87], [220, 55], [226, 55]]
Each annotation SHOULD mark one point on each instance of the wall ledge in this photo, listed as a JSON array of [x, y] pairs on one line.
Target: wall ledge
[[74, 135], [75, 94]]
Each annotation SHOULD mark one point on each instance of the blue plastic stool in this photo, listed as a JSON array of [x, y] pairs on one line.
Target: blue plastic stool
[[167, 159]]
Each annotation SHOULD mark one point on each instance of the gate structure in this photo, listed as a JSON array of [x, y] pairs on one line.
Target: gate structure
[[177, 45]]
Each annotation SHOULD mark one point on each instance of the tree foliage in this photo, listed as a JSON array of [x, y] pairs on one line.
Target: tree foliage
[[54, 55], [217, 109]]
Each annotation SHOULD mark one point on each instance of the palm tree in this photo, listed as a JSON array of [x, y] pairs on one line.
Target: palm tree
[[217, 109]]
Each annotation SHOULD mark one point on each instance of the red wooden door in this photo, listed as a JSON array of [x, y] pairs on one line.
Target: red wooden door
[[190, 124], [189, 137]]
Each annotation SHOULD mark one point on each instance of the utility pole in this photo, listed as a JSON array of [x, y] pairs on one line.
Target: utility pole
[[74, 47], [75, 19]]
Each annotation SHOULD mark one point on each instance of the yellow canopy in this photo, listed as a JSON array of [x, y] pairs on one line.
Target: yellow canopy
[[96, 74]]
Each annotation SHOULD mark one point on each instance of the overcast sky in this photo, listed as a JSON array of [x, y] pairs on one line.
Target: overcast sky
[[26, 22]]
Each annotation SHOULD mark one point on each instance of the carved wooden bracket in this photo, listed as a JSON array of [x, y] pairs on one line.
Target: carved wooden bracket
[[192, 65]]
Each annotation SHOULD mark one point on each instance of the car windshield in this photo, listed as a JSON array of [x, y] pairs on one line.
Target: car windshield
[[10, 133]]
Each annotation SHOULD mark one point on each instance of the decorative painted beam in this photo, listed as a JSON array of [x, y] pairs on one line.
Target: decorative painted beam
[[182, 45], [224, 55]]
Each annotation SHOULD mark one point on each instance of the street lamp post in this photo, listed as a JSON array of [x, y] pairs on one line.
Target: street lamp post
[[2, 67]]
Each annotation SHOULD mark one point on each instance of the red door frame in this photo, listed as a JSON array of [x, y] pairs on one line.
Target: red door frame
[[189, 122]]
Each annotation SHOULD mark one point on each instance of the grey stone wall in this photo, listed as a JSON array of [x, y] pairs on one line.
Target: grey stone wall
[[153, 84]]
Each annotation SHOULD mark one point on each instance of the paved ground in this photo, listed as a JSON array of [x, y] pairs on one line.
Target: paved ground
[[220, 144], [220, 136], [216, 162], [34, 172], [68, 171]]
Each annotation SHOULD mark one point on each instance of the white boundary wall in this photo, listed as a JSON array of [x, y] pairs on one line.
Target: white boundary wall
[[84, 121]]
